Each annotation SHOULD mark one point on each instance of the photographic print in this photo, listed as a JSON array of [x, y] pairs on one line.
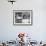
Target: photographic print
[[22, 17]]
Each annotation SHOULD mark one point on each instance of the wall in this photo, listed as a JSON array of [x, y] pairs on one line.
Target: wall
[[37, 31]]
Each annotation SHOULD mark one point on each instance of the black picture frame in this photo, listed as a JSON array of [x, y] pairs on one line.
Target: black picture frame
[[22, 17]]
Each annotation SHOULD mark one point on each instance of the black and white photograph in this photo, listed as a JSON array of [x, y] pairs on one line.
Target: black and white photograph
[[22, 16]]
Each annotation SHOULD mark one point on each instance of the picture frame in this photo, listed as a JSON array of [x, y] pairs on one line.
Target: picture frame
[[22, 17]]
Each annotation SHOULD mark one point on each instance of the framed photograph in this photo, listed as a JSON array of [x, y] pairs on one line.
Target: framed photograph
[[22, 17]]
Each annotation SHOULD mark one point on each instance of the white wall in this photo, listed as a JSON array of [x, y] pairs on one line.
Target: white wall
[[38, 30]]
